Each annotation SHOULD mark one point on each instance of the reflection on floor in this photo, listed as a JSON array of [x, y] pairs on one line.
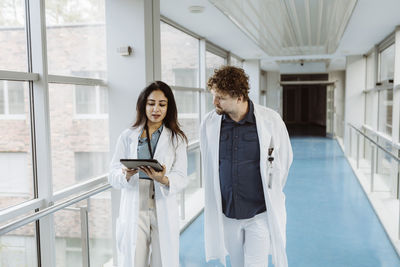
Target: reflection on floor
[[330, 221]]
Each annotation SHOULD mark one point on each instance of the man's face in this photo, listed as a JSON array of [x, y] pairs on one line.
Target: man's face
[[224, 103]]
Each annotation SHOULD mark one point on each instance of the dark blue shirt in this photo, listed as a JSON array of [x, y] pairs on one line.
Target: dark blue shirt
[[239, 167]]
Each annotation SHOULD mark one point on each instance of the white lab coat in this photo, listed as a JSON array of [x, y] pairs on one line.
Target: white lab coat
[[272, 133], [174, 155]]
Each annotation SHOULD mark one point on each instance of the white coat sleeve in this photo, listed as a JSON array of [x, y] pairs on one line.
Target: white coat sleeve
[[116, 177], [177, 175], [285, 152]]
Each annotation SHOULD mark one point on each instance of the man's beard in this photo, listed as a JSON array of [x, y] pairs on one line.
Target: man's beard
[[219, 111]]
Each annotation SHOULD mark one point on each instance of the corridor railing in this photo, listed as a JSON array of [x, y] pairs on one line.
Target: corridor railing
[[82, 216], [378, 155]]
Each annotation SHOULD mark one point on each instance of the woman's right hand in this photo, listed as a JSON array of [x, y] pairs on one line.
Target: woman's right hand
[[129, 173]]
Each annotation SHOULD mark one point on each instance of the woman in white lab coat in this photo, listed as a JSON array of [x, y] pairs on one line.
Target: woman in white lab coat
[[147, 229]]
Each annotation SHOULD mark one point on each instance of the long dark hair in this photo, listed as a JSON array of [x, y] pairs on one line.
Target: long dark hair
[[170, 120]]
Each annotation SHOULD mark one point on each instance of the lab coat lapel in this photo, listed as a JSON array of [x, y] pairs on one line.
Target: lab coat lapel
[[134, 143], [264, 130], [215, 132], [162, 144]]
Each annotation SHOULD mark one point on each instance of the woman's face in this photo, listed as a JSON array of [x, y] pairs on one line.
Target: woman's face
[[156, 106]]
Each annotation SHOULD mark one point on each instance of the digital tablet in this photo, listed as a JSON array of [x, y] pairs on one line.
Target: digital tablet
[[135, 163]]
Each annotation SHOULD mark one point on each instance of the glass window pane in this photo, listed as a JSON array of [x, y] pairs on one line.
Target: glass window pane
[[67, 227], [71, 134], [188, 114], [12, 36], [385, 111], [387, 63], [370, 77], [100, 230], [16, 157], [85, 99], [103, 91], [209, 102], [179, 57], [369, 105], [15, 98], [18, 248], [2, 103], [90, 164], [69, 236], [213, 62], [76, 37], [236, 62]]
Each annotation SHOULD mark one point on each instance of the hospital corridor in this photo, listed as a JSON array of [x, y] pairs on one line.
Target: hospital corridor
[[194, 133]]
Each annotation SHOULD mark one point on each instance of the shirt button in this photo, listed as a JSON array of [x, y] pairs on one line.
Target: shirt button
[[236, 136], [235, 148]]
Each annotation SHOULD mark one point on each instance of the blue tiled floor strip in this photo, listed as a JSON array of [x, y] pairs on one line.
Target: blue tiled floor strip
[[330, 221]]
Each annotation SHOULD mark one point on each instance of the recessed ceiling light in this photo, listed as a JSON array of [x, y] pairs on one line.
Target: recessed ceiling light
[[196, 9]]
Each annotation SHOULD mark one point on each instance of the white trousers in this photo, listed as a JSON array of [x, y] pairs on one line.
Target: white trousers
[[147, 232], [247, 241]]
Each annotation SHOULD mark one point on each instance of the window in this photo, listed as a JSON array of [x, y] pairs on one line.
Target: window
[[12, 99], [187, 103], [236, 62], [18, 248], [13, 54], [91, 100], [14, 167], [179, 57], [90, 164], [76, 38], [213, 62], [71, 133], [385, 111], [15, 145], [386, 63]]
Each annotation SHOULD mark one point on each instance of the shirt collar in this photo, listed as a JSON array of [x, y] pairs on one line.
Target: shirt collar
[[248, 118], [159, 130]]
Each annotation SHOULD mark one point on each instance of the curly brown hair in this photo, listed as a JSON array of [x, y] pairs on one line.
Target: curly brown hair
[[231, 80]]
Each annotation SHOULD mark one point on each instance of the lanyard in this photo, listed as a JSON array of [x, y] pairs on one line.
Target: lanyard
[[148, 141]]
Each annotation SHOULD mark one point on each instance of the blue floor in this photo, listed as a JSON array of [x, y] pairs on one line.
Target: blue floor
[[330, 221]]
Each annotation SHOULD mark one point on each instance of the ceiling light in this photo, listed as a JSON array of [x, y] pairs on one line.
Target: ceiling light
[[196, 9], [290, 27]]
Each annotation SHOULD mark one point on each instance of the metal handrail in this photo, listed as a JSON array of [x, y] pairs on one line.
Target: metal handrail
[[52, 209], [375, 143], [381, 135]]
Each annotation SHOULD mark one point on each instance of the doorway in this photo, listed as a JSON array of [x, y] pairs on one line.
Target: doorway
[[305, 105]]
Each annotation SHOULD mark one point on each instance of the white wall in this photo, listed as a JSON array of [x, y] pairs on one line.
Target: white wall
[[135, 23], [339, 78], [354, 96], [252, 68], [274, 91]]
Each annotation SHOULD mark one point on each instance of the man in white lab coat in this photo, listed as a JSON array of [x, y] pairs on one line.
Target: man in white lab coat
[[246, 155]]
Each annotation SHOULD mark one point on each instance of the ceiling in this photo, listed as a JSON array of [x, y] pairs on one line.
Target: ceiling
[[370, 22]]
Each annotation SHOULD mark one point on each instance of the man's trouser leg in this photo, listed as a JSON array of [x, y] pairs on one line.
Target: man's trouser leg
[[247, 241]]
